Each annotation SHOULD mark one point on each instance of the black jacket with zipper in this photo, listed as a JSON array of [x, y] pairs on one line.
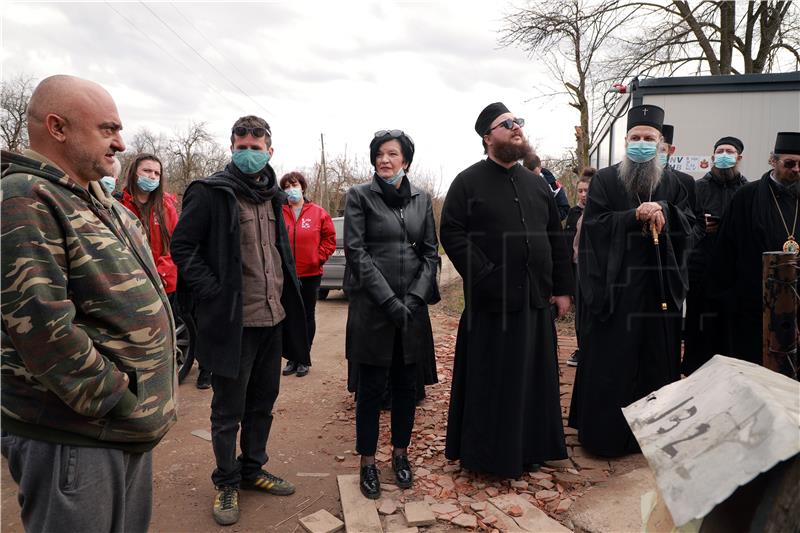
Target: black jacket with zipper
[[389, 252]]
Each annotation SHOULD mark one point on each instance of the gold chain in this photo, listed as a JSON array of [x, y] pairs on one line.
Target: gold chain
[[794, 224]]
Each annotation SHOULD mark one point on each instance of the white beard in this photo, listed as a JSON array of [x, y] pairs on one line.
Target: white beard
[[640, 178]]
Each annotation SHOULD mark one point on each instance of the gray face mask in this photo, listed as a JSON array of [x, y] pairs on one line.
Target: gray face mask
[[394, 179]]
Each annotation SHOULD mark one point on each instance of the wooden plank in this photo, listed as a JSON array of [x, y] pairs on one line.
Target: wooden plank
[[360, 515], [321, 522], [418, 514], [532, 519]]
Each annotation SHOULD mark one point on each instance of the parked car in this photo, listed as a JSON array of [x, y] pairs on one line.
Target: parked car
[[333, 269]]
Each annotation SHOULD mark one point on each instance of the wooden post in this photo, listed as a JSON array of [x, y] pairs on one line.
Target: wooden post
[[779, 283]]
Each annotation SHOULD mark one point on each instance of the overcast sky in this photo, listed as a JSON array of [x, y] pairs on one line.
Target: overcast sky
[[345, 69]]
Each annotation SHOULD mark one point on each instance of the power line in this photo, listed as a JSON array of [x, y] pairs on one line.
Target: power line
[[183, 64], [209, 63], [208, 41]]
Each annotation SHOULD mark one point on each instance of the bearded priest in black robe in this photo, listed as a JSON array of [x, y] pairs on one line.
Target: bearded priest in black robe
[[762, 217], [630, 303], [501, 229]]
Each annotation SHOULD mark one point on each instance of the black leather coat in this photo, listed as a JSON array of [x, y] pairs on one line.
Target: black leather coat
[[389, 252]]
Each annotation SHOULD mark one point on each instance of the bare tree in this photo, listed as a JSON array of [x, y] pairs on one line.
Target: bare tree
[[193, 154], [15, 93], [566, 36], [709, 36]]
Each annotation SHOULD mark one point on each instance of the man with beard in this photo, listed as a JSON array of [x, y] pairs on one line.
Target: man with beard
[[233, 252], [703, 336], [761, 217], [501, 229], [630, 314]]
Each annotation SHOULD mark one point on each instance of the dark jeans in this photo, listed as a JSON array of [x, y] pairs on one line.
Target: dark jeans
[[248, 400], [371, 388], [77, 488], [309, 289]]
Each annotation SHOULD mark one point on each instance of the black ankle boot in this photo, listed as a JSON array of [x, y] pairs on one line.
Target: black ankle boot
[[402, 471], [370, 483]]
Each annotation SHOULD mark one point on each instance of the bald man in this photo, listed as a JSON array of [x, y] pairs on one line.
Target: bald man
[[87, 335]]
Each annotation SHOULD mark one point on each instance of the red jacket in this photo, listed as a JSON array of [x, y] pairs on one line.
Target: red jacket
[[163, 260], [312, 237]]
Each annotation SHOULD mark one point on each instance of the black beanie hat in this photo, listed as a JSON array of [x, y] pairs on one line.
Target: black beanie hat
[[733, 141], [646, 115], [487, 116]]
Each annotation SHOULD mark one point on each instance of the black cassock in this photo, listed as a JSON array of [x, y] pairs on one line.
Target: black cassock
[[705, 324], [501, 229], [751, 227], [629, 346]]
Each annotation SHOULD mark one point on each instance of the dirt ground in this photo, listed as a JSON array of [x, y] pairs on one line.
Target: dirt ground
[[313, 436]]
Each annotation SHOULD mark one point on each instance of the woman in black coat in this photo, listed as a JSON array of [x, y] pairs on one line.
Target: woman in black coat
[[392, 260]]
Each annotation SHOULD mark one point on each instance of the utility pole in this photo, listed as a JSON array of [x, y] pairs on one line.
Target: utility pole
[[324, 175]]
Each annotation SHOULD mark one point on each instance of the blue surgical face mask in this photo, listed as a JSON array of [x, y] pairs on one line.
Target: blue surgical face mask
[[397, 177], [642, 151], [250, 161], [147, 184], [724, 160], [663, 158], [109, 183], [294, 195]]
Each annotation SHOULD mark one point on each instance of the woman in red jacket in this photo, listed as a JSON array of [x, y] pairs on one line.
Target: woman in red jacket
[[313, 240], [144, 195]]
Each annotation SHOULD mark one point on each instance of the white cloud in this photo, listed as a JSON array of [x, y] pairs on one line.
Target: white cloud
[[344, 69]]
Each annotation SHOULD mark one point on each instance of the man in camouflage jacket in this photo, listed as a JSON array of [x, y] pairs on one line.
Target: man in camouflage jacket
[[88, 339]]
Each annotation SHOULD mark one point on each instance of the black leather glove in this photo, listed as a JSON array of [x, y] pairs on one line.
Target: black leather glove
[[413, 302], [396, 311]]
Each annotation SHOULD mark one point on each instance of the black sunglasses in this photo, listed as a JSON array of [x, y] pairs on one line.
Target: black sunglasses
[[257, 132], [789, 163], [509, 124], [394, 134]]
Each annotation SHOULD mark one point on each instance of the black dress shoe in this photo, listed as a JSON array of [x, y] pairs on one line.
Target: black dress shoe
[[290, 368], [402, 471], [204, 379], [370, 484], [302, 370]]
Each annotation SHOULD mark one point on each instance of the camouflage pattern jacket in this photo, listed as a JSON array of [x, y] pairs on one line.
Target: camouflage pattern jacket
[[88, 338]]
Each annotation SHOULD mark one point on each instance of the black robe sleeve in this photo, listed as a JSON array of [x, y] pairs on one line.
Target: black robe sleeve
[[468, 259]]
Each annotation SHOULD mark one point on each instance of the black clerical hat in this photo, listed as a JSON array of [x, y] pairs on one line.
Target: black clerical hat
[[646, 115], [733, 141], [668, 130], [788, 142], [487, 116]]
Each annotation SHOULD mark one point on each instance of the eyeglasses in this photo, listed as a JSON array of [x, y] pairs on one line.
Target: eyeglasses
[[509, 124], [791, 163], [394, 134], [257, 132]]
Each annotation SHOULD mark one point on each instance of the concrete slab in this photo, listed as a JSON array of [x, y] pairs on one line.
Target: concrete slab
[[613, 506]]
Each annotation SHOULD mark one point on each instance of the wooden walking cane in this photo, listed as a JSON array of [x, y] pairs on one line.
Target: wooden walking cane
[[654, 233]]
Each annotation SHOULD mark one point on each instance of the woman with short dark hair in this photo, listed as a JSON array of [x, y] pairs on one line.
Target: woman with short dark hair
[[392, 260], [312, 237]]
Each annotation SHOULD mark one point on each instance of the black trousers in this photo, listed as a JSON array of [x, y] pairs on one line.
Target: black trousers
[[371, 387], [309, 289], [246, 400]]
